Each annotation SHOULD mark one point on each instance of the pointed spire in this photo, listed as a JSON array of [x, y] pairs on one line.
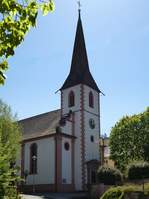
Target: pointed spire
[[79, 57], [79, 72]]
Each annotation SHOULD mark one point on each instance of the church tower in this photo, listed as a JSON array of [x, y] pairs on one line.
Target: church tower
[[60, 149], [80, 119]]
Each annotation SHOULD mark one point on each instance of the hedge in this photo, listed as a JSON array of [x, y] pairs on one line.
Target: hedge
[[109, 176], [139, 170]]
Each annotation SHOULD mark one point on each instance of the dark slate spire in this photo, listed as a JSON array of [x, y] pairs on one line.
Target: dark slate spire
[[79, 72]]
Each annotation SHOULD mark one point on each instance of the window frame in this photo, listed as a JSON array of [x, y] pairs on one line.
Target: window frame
[[91, 99], [71, 99], [33, 163]]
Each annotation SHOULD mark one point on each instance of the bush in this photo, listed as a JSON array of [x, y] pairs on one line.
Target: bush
[[123, 192], [109, 176], [113, 193], [139, 170], [9, 193]]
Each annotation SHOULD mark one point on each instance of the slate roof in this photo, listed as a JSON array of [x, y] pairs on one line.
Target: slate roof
[[79, 72], [40, 125]]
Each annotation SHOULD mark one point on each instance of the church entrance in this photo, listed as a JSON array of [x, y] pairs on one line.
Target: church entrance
[[92, 167]]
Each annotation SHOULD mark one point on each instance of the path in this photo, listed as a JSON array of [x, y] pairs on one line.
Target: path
[[57, 196]]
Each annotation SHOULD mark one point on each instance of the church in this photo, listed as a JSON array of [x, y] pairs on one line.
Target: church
[[60, 149]]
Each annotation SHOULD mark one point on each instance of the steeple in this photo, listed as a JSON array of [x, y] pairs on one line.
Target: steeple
[[79, 72]]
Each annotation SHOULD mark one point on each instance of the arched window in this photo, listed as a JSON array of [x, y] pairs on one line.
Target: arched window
[[71, 99], [91, 100], [33, 158]]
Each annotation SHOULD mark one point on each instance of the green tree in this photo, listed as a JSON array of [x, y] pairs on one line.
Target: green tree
[[16, 19], [10, 137], [129, 139]]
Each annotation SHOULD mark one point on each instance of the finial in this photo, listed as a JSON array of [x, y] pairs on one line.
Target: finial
[[79, 7]]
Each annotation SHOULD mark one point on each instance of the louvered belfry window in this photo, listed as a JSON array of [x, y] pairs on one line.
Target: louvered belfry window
[[71, 99], [91, 99]]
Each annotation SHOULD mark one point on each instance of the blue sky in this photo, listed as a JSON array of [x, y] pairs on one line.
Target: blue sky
[[117, 41]]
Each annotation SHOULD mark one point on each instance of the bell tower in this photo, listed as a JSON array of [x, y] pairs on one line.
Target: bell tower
[[80, 118]]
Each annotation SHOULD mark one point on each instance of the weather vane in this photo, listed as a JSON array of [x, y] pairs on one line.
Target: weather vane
[[79, 6]]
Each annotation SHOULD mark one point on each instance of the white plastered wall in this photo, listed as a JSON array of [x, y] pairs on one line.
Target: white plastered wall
[[78, 174], [66, 162], [87, 90], [65, 93], [45, 162], [91, 148], [67, 128], [76, 109]]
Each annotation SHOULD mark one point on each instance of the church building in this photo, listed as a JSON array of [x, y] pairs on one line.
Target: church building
[[60, 149]]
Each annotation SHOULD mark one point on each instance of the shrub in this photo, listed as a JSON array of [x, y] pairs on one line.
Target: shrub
[[9, 193], [109, 176], [139, 170], [122, 192], [113, 193]]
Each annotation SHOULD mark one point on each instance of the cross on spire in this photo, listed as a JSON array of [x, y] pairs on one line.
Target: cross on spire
[[79, 6]]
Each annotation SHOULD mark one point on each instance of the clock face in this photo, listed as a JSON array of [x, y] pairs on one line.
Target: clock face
[[92, 123]]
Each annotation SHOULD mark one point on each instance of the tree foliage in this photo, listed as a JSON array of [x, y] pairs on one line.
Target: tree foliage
[[129, 139], [9, 147], [16, 19]]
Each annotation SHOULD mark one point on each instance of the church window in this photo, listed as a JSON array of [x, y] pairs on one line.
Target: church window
[[91, 100], [66, 146], [33, 158], [92, 138], [71, 99], [92, 123]]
